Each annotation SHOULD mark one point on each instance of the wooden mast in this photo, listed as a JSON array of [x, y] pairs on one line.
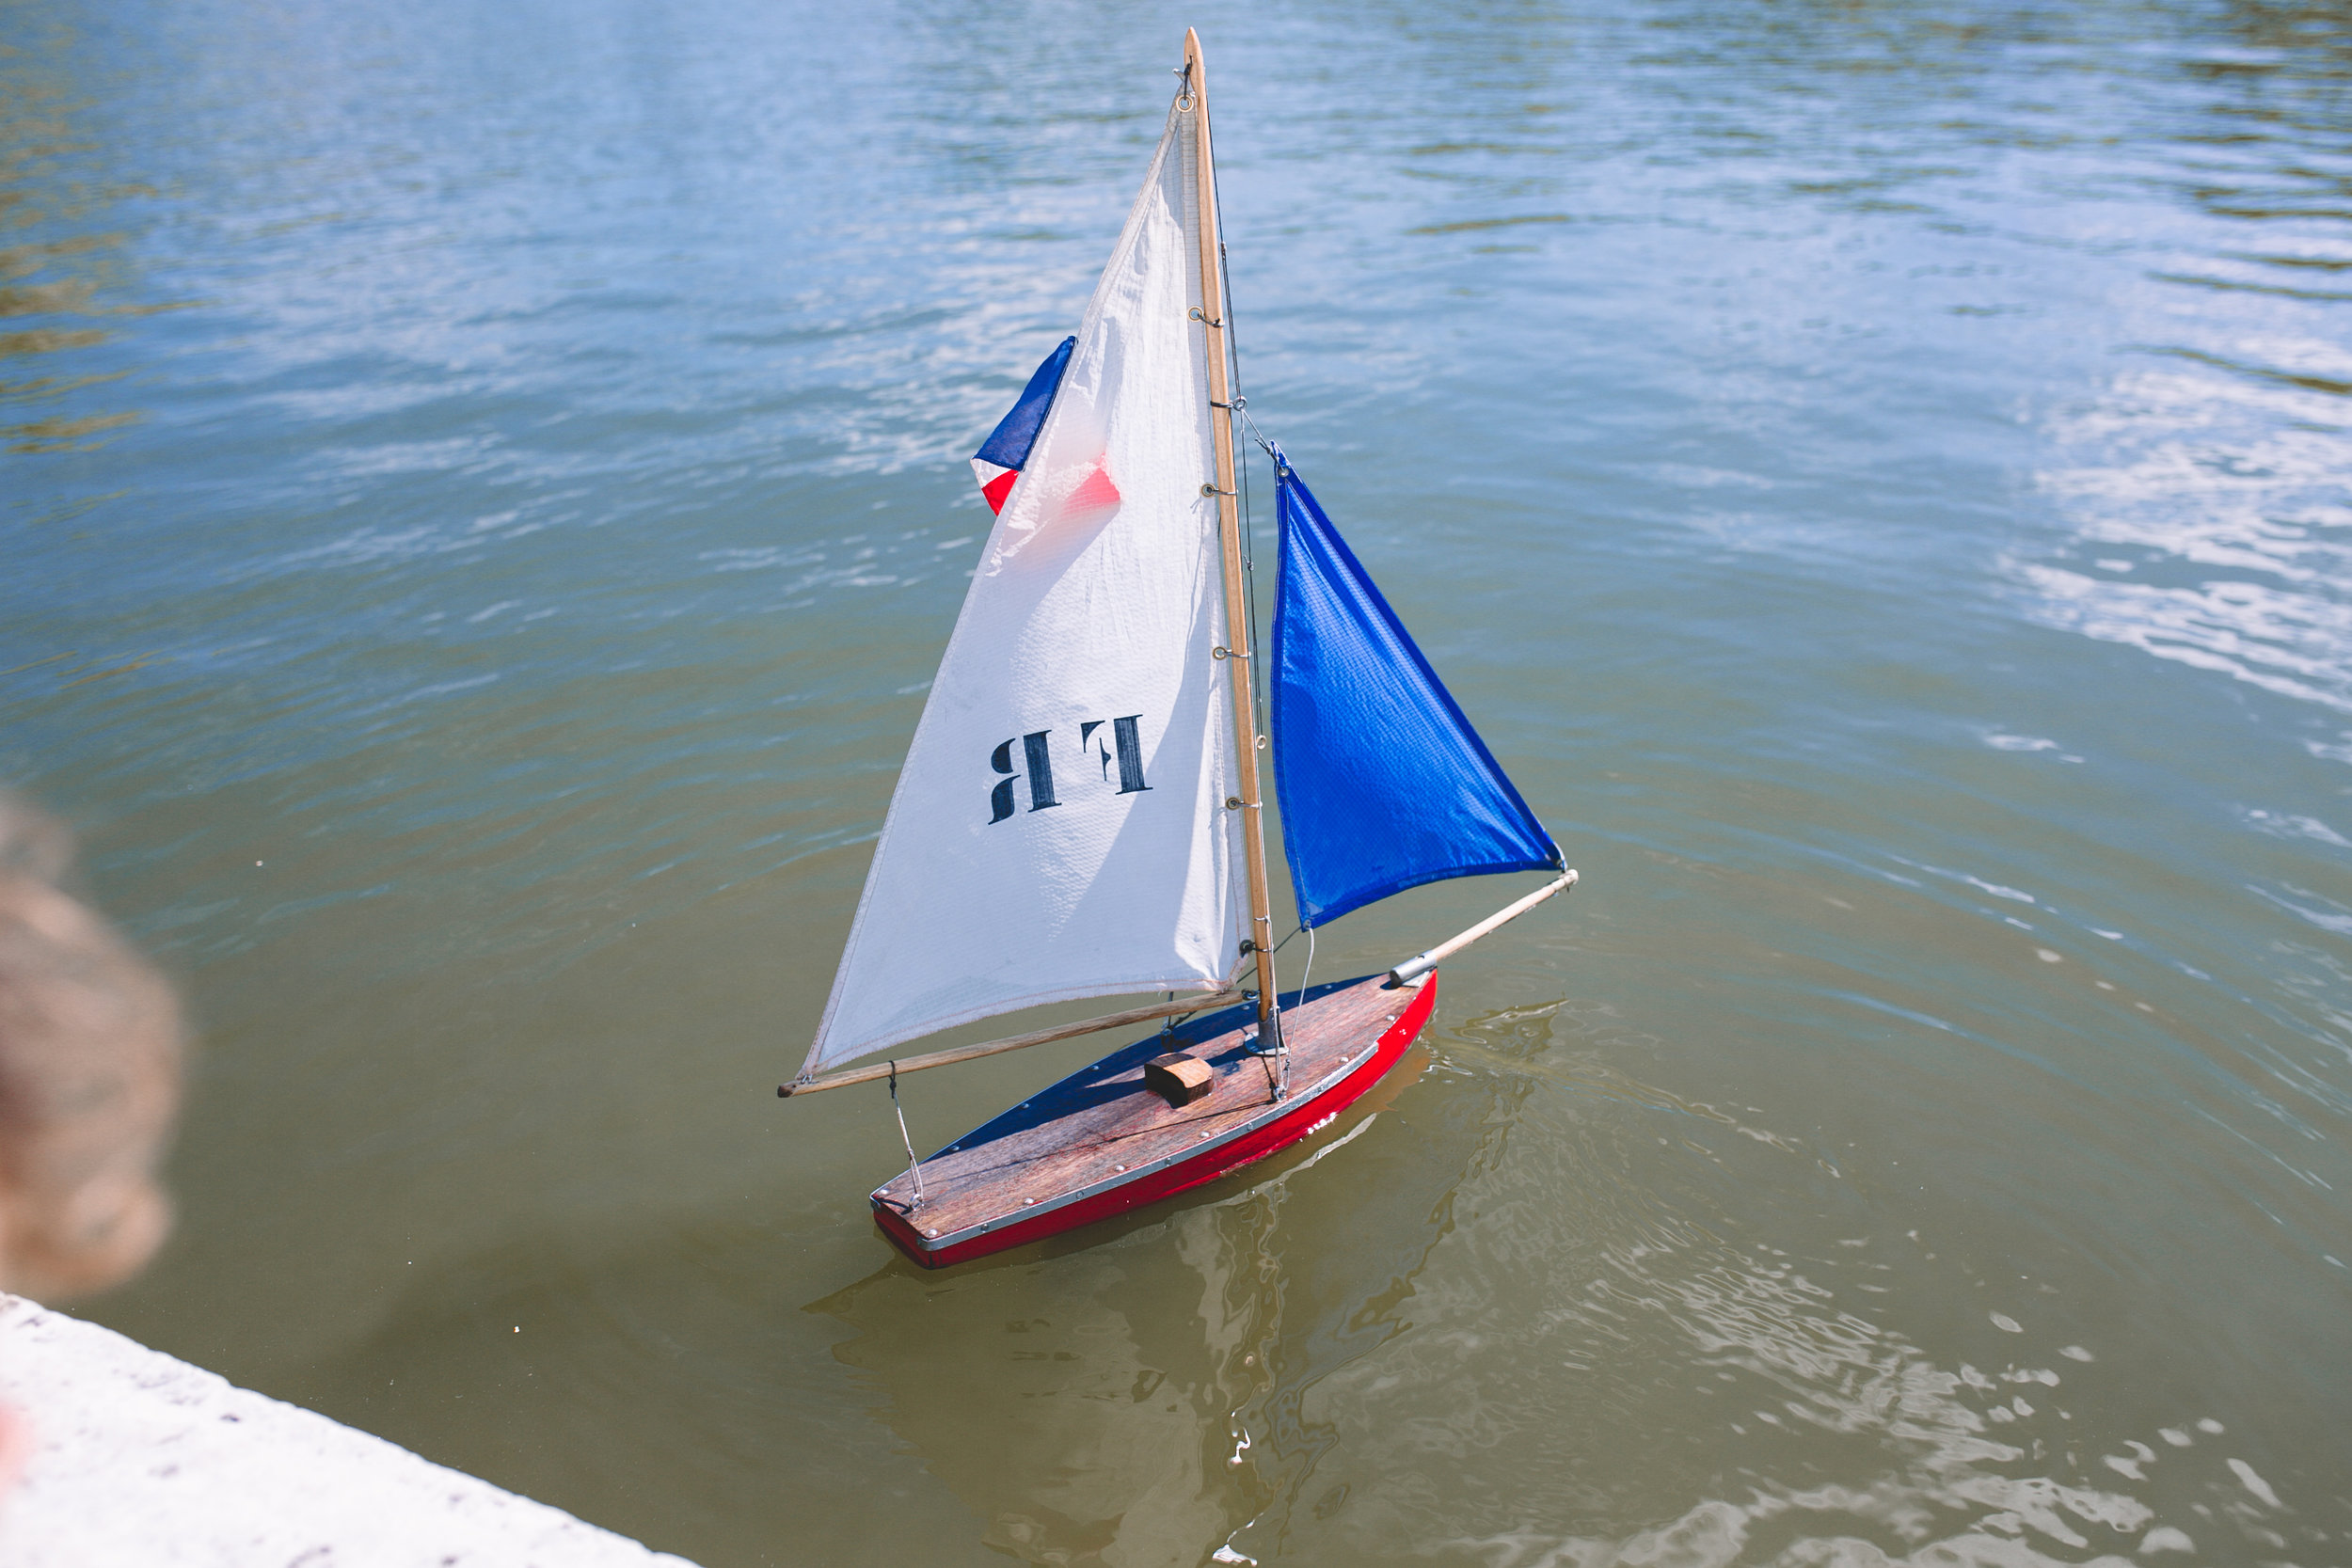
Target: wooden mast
[[1237, 630]]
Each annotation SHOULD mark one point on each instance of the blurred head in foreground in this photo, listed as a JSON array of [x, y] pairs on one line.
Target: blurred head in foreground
[[89, 1078]]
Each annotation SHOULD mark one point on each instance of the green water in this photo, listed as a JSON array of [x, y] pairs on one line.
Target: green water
[[484, 493]]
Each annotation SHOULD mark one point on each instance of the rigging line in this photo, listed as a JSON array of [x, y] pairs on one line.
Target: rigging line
[[914, 1166], [1282, 1091], [1248, 515], [1249, 538], [1241, 405], [1272, 452], [1248, 510]]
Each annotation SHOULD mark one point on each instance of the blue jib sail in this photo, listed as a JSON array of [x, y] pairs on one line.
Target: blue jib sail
[[1384, 784]]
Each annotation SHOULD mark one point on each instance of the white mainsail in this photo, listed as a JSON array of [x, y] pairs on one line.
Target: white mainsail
[[1059, 830]]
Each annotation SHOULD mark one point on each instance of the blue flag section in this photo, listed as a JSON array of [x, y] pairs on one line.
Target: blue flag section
[[1384, 784], [1007, 444], [1005, 452]]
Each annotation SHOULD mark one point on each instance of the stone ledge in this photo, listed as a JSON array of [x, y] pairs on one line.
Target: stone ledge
[[139, 1459]]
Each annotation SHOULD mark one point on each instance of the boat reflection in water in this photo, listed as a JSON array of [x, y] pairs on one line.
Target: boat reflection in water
[[1134, 1397]]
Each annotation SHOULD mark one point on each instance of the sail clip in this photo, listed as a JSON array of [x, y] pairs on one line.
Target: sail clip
[[1226, 652], [1208, 487], [1205, 319]]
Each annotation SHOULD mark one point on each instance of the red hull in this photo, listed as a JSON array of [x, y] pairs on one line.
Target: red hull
[[1303, 1119]]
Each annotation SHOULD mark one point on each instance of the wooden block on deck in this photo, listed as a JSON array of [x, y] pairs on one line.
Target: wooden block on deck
[[1178, 1078]]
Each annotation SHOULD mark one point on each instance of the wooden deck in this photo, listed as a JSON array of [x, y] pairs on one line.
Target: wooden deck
[[1099, 1141]]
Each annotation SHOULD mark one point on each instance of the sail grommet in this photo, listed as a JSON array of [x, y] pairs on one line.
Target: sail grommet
[[1209, 488], [1233, 802], [1206, 320]]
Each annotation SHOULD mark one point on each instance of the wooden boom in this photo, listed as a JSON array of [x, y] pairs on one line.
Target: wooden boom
[[1422, 963], [1042, 1037]]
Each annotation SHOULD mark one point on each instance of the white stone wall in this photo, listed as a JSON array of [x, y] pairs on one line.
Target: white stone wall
[[143, 1461]]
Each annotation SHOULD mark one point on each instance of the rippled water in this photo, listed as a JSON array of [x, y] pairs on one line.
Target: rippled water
[[482, 498]]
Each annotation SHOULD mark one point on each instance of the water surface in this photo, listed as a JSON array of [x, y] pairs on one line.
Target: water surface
[[483, 496]]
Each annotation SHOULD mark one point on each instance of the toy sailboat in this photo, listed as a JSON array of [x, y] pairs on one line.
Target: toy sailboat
[[1080, 816]]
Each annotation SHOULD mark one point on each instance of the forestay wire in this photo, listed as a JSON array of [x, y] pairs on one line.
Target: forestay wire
[[1241, 407], [1279, 1081], [914, 1166]]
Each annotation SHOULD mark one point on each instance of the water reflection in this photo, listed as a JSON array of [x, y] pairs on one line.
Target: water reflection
[[2205, 484], [59, 274], [1795, 1393], [1908, 1461], [1140, 1399], [1077, 1414]]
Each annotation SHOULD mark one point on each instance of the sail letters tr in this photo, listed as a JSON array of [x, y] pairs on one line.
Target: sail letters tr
[[1038, 757]]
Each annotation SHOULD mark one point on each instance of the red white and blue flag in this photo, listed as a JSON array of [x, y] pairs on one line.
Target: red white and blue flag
[[1007, 449]]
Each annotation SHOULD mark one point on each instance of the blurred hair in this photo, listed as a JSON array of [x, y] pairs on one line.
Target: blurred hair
[[90, 1048]]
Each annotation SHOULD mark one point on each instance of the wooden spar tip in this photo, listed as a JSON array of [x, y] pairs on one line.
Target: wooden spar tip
[[1422, 963], [1042, 1036]]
